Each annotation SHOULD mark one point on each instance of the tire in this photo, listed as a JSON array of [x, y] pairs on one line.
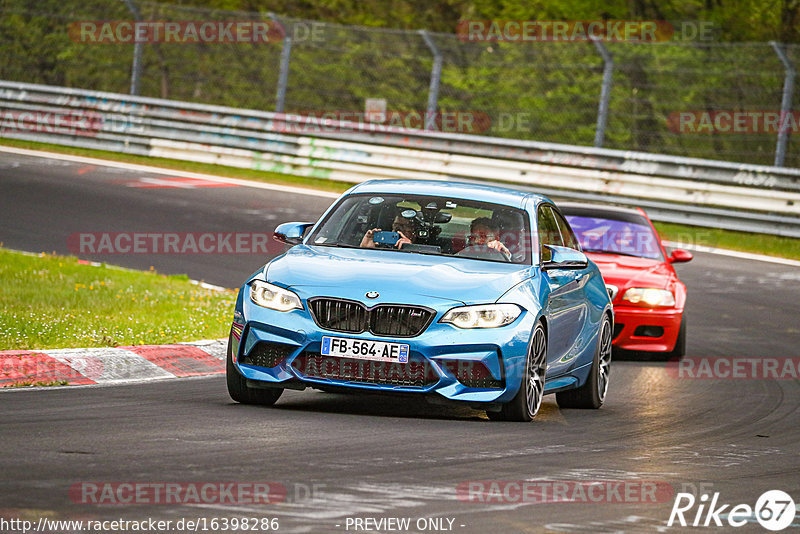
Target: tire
[[592, 394], [680, 344], [240, 392], [526, 403]]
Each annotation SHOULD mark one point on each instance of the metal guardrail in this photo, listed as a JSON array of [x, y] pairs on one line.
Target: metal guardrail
[[692, 191]]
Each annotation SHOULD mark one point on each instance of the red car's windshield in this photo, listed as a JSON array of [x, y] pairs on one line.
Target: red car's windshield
[[629, 235]]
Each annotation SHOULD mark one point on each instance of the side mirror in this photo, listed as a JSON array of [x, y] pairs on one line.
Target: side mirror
[[564, 258], [679, 256], [291, 233]]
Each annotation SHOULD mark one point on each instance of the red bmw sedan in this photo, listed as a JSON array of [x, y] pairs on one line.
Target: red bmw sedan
[[647, 295]]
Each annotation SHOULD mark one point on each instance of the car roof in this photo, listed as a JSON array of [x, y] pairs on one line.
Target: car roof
[[464, 190], [599, 208]]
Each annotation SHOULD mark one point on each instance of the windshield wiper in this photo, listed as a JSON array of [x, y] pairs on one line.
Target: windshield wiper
[[335, 244], [603, 251]]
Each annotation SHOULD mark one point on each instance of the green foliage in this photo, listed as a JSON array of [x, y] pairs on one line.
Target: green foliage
[[741, 21], [542, 91]]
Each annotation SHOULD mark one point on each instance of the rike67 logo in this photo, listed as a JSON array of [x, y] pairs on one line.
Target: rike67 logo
[[774, 510]]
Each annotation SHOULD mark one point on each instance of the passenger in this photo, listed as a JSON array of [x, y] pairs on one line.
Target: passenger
[[403, 226]]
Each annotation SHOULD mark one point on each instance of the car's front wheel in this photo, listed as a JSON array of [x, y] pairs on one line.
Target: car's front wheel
[[241, 392], [592, 394], [526, 403]]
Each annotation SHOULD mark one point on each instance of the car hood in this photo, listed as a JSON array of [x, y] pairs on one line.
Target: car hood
[[398, 277], [630, 271]]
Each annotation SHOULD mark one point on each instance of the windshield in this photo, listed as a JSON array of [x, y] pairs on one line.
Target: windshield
[[613, 236], [427, 225]]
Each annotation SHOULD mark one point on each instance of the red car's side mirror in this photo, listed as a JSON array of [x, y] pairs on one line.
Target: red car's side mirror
[[679, 256]]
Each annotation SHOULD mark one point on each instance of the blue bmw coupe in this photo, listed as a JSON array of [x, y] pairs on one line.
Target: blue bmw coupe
[[465, 292]]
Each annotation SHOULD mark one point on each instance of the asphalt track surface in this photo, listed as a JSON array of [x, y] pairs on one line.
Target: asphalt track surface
[[348, 456]]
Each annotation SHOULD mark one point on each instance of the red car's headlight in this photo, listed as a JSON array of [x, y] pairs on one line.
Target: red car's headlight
[[649, 296]]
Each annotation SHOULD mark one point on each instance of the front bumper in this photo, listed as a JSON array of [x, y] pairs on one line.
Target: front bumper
[[638, 328], [282, 349]]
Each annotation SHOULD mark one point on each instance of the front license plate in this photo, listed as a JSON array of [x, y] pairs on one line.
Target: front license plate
[[364, 349]]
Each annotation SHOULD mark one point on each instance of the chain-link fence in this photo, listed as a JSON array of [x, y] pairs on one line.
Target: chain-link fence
[[677, 97]]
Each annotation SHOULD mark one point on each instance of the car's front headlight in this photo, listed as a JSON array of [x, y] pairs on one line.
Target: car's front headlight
[[274, 297], [484, 316], [649, 296]]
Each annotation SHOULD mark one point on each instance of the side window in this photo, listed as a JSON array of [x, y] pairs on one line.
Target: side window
[[566, 232], [548, 231]]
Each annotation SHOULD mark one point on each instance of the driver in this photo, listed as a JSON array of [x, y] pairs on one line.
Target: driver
[[483, 233], [403, 226]]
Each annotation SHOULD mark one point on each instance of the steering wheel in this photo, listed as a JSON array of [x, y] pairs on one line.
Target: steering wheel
[[482, 251]]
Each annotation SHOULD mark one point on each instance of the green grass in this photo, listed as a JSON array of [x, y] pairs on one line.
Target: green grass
[[785, 247], [49, 302], [770, 245]]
